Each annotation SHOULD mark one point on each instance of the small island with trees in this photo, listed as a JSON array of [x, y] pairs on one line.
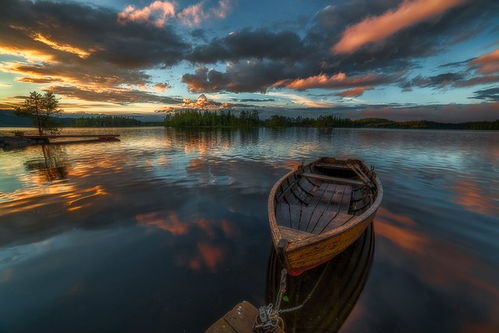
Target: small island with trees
[[247, 119]]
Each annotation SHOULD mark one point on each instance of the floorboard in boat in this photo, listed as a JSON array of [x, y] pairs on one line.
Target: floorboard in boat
[[323, 205], [335, 209], [343, 215], [308, 210]]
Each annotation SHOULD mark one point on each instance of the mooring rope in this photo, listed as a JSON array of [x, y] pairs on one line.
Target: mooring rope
[[269, 318]]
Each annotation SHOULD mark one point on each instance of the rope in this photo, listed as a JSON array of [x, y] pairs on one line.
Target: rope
[[298, 307], [269, 318]]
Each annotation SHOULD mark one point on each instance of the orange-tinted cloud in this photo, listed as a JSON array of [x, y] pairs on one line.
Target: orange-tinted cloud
[[355, 92], [487, 63], [157, 13], [202, 102], [192, 15], [61, 47], [161, 87], [336, 81], [373, 29], [29, 53], [39, 79]]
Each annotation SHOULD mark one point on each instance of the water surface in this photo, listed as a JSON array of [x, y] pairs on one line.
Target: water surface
[[167, 230]]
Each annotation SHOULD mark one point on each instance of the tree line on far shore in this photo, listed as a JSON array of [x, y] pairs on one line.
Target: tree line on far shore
[[248, 119], [43, 107]]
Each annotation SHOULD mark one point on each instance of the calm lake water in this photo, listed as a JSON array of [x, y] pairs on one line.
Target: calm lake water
[[167, 230]]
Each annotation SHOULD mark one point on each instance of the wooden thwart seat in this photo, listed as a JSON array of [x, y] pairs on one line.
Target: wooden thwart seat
[[332, 179], [332, 166]]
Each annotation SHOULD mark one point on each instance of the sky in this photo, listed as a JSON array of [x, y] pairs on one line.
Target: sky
[[397, 59]]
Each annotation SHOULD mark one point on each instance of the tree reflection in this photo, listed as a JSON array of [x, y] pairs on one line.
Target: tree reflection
[[52, 165]]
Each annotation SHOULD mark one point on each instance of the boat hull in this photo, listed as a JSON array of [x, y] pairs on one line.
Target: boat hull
[[304, 258], [303, 249]]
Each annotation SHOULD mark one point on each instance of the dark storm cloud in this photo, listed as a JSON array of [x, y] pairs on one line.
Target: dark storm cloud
[[199, 34], [243, 76], [291, 58], [99, 74], [491, 94], [245, 44], [116, 96], [457, 79], [437, 81], [83, 43]]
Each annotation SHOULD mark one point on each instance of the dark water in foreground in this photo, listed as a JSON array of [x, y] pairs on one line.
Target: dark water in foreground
[[167, 230]]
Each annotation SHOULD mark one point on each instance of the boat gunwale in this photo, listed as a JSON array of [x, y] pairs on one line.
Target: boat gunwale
[[293, 245]]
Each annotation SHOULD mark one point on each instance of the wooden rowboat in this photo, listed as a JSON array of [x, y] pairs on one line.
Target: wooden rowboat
[[319, 209]]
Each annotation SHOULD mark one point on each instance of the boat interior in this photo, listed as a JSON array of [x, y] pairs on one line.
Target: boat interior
[[322, 196]]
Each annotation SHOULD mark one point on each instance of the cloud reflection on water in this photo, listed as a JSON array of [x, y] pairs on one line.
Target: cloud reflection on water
[[180, 214]]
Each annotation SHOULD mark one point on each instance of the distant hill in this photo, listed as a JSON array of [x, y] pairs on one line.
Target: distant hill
[[9, 119]]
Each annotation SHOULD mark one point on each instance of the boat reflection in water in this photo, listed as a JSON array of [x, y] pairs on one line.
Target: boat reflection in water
[[338, 282]]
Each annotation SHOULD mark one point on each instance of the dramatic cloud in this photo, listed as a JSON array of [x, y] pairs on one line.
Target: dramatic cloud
[[487, 63], [491, 94], [116, 96], [459, 80], [89, 49], [246, 44], [437, 81], [195, 14], [355, 92], [377, 28], [288, 58], [337, 81], [159, 12], [243, 76], [62, 47], [202, 102], [161, 87], [89, 52]]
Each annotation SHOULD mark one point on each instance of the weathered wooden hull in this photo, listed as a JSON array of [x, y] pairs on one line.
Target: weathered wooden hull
[[303, 247], [303, 258], [338, 282]]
